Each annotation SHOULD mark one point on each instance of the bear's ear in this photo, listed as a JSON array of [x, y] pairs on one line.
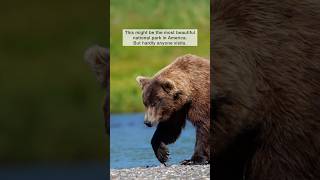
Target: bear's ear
[[98, 59], [142, 81], [168, 86]]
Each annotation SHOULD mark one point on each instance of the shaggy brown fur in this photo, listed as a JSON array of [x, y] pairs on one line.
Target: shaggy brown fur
[[179, 91], [265, 89], [98, 59]]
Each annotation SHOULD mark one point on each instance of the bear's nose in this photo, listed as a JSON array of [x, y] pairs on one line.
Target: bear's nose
[[147, 123]]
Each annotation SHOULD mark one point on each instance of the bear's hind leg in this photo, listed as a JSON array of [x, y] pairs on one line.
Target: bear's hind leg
[[201, 153]]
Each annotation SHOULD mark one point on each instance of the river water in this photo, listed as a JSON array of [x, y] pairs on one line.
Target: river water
[[130, 143]]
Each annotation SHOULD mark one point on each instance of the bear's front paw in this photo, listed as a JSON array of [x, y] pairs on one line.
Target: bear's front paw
[[193, 162], [186, 162], [162, 153]]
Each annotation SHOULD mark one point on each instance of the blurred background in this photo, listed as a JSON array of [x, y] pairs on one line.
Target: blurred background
[[129, 62], [130, 139], [51, 104]]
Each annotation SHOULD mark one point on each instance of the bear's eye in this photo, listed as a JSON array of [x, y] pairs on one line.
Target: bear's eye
[[177, 95]]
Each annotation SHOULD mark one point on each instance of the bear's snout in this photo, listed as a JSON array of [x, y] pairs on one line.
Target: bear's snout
[[147, 123], [151, 117]]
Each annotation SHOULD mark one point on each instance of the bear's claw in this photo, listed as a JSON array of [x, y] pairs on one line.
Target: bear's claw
[[192, 162], [163, 153]]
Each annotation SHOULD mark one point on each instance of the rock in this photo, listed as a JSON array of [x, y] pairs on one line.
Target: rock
[[200, 172]]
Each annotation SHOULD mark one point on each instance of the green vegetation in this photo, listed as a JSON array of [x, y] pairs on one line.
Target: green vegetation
[[51, 105], [129, 62]]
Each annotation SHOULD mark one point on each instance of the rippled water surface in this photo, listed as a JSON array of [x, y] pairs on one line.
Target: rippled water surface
[[130, 143]]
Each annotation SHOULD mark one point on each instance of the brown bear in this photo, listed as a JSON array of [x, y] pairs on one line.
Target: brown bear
[[178, 92], [98, 59], [265, 93]]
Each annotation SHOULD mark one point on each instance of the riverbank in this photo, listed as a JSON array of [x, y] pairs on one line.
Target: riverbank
[[200, 172]]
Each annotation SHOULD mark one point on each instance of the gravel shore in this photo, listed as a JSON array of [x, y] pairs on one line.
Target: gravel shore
[[161, 172]]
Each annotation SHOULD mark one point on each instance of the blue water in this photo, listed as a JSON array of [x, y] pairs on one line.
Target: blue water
[[130, 143]]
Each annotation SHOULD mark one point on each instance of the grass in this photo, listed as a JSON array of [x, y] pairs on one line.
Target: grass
[[129, 62]]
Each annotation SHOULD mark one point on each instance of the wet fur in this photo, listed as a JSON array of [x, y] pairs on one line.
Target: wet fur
[[189, 77], [265, 94]]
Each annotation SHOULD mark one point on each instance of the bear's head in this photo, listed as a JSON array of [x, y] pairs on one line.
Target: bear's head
[[98, 59], [161, 98]]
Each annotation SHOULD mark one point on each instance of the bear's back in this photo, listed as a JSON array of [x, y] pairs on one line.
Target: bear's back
[[272, 48], [187, 65], [266, 60]]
